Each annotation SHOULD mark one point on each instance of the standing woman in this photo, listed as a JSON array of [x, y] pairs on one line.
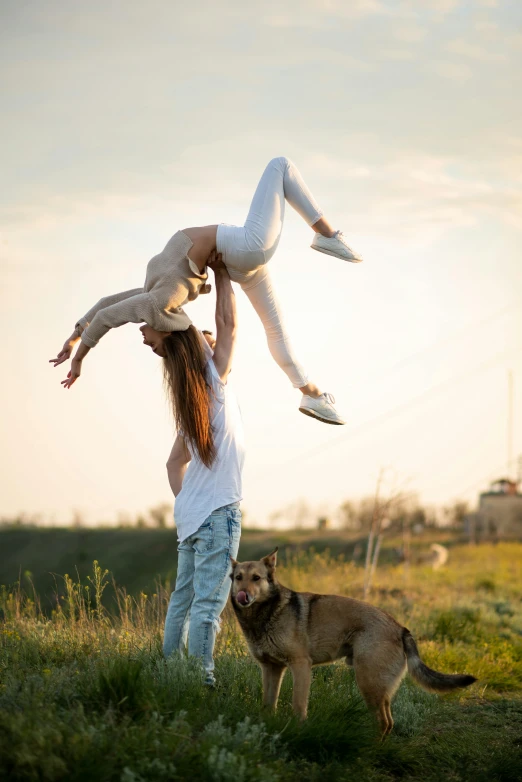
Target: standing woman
[[204, 470], [177, 275]]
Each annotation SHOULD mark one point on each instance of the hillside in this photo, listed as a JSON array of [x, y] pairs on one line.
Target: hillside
[[136, 558]]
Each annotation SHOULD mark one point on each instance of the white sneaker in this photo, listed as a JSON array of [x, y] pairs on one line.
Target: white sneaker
[[335, 245], [321, 408]]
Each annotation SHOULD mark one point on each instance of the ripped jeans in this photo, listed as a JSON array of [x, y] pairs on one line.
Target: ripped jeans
[[202, 587]]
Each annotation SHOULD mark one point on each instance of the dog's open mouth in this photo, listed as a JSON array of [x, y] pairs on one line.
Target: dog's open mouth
[[243, 599]]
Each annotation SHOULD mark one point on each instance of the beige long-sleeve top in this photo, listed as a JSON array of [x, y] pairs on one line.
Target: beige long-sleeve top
[[172, 279]]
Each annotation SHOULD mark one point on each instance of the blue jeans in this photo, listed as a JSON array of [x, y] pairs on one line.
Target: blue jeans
[[202, 586]]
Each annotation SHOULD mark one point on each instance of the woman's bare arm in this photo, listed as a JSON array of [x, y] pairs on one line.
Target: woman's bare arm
[[226, 319], [177, 464]]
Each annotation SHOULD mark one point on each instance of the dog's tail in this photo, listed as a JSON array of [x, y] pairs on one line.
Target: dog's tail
[[427, 677]]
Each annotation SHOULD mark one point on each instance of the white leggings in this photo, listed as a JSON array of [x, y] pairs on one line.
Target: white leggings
[[246, 250]]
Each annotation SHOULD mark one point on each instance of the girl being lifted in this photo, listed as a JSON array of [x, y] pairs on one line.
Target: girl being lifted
[[178, 275]]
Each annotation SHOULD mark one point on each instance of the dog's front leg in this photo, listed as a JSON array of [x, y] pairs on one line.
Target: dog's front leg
[[272, 678], [302, 676]]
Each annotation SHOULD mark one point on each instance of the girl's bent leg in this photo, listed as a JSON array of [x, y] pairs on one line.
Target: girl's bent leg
[[176, 622], [247, 248], [280, 182], [310, 389], [217, 541], [313, 403], [324, 228], [262, 296]]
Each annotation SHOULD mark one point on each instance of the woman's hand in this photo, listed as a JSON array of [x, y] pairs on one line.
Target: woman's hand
[[66, 351], [215, 262], [74, 373], [76, 364]]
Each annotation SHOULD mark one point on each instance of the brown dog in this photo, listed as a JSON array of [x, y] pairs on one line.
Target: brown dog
[[296, 630]]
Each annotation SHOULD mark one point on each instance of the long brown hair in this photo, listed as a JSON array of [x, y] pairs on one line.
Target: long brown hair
[[187, 386]]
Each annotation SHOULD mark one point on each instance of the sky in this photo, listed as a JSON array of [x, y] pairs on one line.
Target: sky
[[123, 122]]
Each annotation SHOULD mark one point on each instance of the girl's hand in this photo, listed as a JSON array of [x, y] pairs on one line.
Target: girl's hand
[[73, 374], [66, 351], [76, 366], [215, 261]]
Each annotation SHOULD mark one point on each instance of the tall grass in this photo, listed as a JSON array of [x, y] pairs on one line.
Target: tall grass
[[85, 693]]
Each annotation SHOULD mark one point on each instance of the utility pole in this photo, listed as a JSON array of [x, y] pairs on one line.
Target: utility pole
[[510, 463]]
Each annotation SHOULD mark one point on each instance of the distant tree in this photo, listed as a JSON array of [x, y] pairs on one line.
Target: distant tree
[[78, 520], [349, 515], [366, 514], [23, 520], [297, 514], [124, 520], [406, 513], [456, 513], [432, 515], [323, 523], [302, 513], [383, 509], [161, 514], [357, 516]]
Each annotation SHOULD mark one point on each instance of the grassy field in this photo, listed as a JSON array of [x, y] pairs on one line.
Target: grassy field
[[136, 558], [86, 695]]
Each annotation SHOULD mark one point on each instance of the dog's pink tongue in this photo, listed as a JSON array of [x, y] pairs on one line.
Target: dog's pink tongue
[[242, 598]]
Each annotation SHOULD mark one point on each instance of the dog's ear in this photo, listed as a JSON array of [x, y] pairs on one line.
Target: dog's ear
[[271, 560], [233, 563]]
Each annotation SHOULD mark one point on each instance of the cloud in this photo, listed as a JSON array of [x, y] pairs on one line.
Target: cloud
[[458, 73], [412, 198], [443, 6], [409, 32], [418, 194], [316, 14], [485, 26], [474, 51], [99, 102], [396, 54]]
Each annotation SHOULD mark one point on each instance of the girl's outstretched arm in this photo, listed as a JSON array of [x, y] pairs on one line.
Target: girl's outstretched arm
[[138, 308], [133, 309], [66, 351], [106, 301]]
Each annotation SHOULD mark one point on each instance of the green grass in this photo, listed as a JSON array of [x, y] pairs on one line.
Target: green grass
[[136, 558], [85, 693]]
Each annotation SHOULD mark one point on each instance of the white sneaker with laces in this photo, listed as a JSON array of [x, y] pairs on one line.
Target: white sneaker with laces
[[321, 408], [337, 246]]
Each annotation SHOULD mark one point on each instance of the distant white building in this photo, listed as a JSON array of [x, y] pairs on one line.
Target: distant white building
[[499, 513]]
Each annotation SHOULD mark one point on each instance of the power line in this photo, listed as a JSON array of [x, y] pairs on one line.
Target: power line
[[488, 476], [404, 406], [412, 358]]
